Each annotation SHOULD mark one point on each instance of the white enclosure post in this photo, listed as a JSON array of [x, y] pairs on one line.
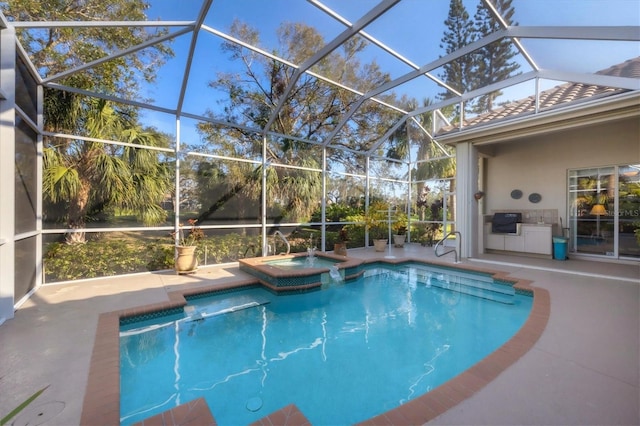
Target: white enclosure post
[[7, 172], [466, 205]]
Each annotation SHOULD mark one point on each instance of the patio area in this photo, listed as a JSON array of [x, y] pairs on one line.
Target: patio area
[[585, 368]]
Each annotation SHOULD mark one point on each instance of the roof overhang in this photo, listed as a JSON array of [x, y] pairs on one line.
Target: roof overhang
[[618, 107]]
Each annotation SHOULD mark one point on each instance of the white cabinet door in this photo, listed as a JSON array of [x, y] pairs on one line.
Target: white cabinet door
[[514, 242], [495, 242], [537, 239]]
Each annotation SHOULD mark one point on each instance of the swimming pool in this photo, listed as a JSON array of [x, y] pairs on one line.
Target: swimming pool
[[341, 355]]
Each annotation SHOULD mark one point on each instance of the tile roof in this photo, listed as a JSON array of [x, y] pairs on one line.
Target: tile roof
[[558, 95]]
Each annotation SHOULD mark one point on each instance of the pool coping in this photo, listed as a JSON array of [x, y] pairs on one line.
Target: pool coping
[[101, 403]]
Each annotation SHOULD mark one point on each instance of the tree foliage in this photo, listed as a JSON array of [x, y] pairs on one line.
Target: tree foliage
[[84, 177], [313, 107], [495, 61], [458, 34], [57, 49], [489, 64], [311, 111]]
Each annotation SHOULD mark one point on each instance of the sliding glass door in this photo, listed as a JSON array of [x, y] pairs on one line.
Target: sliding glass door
[[604, 211], [629, 211]]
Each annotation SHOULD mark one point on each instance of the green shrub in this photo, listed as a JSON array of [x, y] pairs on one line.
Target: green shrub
[[228, 248], [105, 257], [102, 257]]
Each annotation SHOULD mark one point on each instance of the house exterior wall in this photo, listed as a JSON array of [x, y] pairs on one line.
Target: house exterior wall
[[539, 164]]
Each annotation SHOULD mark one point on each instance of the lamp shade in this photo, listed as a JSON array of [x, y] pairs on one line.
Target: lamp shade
[[598, 210]]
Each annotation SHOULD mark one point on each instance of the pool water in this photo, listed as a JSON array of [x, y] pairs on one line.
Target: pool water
[[342, 355]]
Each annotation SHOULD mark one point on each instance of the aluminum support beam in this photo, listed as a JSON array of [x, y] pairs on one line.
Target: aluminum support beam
[[7, 172]]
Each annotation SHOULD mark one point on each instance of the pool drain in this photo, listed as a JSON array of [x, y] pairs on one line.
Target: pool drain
[[254, 404]]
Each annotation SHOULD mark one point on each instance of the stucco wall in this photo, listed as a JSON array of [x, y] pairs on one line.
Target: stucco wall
[[539, 164]]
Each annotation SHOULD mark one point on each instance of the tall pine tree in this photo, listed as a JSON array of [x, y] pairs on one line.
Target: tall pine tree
[[493, 62], [487, 65], [458, 34]]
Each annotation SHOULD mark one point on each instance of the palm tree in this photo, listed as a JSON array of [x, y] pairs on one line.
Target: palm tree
[[86, 175], [433, 161]]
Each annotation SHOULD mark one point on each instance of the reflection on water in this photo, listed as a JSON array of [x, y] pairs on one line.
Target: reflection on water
[[251, 353]]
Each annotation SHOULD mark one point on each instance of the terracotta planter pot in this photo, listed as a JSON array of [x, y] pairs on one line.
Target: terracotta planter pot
[[398, 240], [340, 249], [186, 259], [380, 245]]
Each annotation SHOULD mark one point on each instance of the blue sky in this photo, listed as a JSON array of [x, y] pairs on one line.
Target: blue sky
[[413, 28]]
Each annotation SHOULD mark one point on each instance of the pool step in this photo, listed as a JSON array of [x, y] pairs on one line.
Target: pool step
[[473, 284], [487, 290], [197, 312], [473, 290], [492, 286], [478, 285]]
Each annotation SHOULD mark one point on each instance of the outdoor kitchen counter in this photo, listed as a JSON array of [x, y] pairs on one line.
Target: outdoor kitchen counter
[[533, 238]]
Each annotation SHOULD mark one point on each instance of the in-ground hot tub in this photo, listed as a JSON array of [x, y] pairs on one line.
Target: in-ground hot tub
[[300, 271]]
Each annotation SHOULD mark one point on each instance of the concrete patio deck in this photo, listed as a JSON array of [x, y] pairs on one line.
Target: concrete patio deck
[[585, 368]]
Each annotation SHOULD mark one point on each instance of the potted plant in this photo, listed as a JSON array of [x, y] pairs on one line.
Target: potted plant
[[186, 260], [399, 227], [380, 237], [376, 224], [340, 246]]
